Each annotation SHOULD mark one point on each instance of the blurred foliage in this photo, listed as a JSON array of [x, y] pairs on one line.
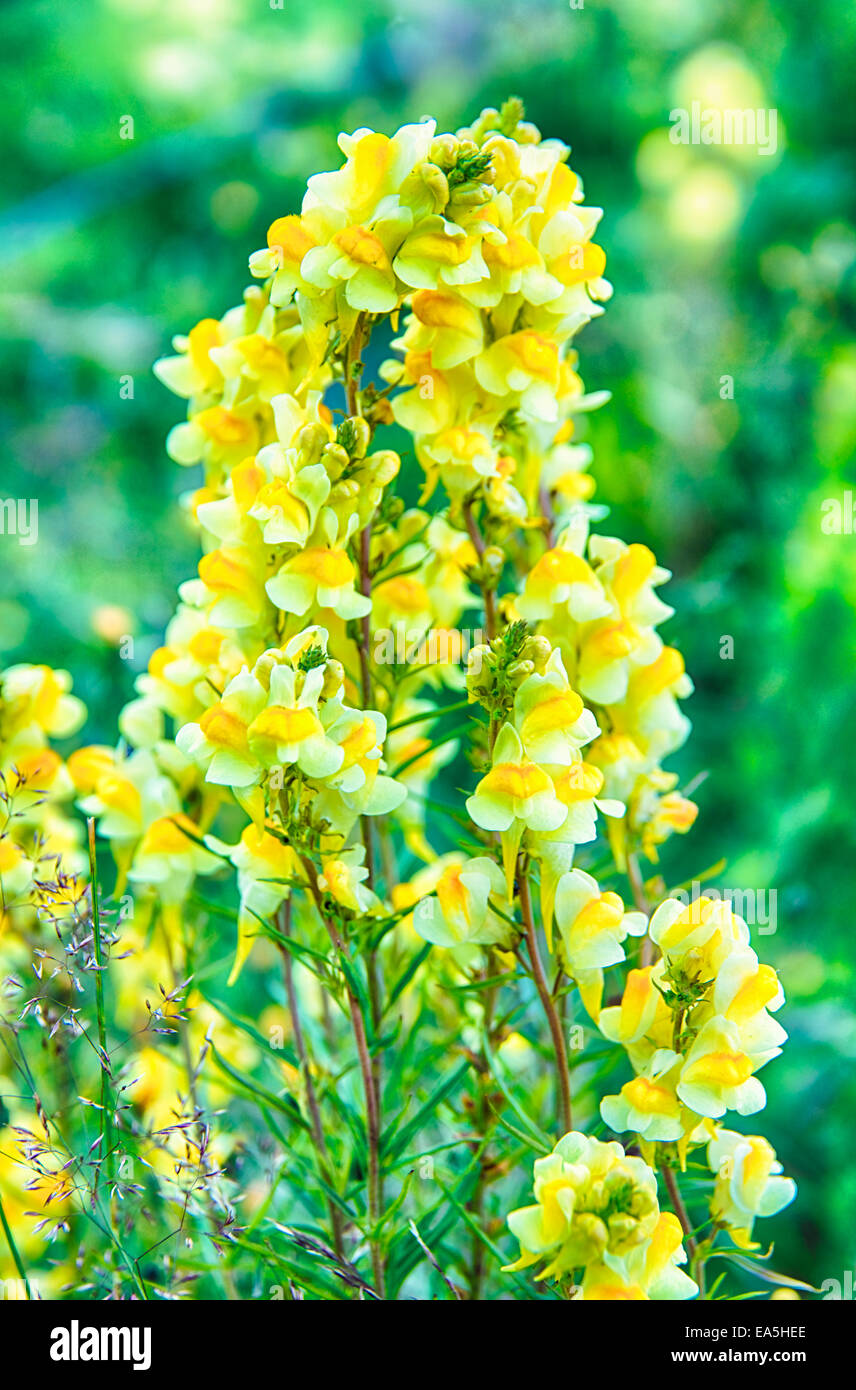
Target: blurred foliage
[[726, 263]]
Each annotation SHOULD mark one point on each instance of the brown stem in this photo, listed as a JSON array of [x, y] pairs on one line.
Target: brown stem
[[682, 1214], [564, 1078], [283, 921], [546, 506], [372, 963]]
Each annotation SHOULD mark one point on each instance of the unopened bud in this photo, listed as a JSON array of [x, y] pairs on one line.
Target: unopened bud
[[334, 677], [493, 563], [536, 650], [471, 195], [361, 436], [311, 441], [443, 150], [384, 466], [336, 457], [436, 183]]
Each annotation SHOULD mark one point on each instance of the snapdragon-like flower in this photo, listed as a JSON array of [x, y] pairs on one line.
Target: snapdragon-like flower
[[748, 1183], [562, 585], [42, 860], [461, 911], [592, 928], [596, 1210], [697, 1025]]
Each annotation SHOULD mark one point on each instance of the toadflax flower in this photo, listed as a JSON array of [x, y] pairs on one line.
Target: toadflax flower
[[461, 912], [748, 1183], [595, 1207]]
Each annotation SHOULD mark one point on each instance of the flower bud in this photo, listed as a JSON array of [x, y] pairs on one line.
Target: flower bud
[[334, 678], [443, 151], [493, 563], [354, 436], [537, 651], [336, 458], [311, 441], [519, 670], [384, 466]]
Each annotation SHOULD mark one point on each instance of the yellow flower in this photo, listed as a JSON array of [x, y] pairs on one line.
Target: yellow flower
[[650, 1272], [562, 579], [591, 1201], [439, 253], [550, 717], [461, 912], [592, 927], [319, 577], [35, 701], [718, 1073], [449, 329], [525, 366], [230, 586], [648, 1105], [748, 1183], [219, 742], [516, 794], [289, 731]]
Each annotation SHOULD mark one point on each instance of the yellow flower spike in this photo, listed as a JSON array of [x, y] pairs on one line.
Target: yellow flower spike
[[484, 241]]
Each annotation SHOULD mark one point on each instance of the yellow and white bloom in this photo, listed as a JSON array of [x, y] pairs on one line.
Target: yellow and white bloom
[[748, 1183], [592, 1202], [460, 913]]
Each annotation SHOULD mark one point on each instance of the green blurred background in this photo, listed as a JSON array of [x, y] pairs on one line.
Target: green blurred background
[[726, 264]]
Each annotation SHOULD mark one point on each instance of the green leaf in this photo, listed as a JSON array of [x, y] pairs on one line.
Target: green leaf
[[392, 1145], [767, 1276], [404, 980]]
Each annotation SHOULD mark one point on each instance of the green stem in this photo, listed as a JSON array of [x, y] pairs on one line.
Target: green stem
[[106, 1123], [429, 714], [374, 1177], [485, 1121], [283, 921], [640, 899], [13, 1250]]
